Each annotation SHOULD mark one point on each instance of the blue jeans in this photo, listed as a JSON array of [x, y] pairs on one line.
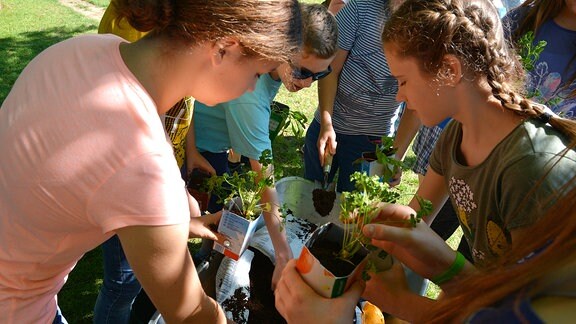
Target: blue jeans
[[119, 288], [350, 148]]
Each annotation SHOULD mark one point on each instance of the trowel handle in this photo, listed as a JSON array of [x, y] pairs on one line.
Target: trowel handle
[[327, 162]]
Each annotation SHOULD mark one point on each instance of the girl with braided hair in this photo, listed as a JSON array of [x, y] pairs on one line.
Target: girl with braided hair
[[504, 162]]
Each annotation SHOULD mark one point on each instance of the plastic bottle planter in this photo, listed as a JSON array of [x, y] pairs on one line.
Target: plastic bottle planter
[[278, 115], [195, 185], [237, 231], [320, 267], [370, 165]]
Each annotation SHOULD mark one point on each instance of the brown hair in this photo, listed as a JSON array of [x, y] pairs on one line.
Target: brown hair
[[537, 13], [320, 31], [271, 29], [427, 30], [553, 235]]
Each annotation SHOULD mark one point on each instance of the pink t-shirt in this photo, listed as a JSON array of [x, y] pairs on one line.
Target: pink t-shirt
[[83, 152]]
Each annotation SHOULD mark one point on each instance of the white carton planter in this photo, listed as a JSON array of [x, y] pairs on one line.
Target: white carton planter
[[317, 274], [237, 232], [370, 165]]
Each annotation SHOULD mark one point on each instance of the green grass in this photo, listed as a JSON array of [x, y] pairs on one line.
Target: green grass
[[100, 3], [29, 26]]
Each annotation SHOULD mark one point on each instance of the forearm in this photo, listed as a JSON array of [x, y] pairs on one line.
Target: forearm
[[326, 97], [328, 87], [409, 125], [432, 188], [275, 225]]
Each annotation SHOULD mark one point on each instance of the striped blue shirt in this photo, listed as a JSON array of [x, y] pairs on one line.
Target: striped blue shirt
[[366, 97]]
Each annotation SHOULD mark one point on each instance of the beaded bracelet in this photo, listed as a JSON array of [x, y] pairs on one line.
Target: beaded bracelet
[[454, 269]]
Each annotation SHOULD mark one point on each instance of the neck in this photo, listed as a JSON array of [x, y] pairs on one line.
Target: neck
[[146, 59], [566, 19], [485, 123]]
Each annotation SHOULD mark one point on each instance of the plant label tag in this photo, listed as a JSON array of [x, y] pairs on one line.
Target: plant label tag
[[237, 231]]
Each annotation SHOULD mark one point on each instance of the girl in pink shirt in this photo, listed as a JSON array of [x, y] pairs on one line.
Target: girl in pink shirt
[[85, 156]]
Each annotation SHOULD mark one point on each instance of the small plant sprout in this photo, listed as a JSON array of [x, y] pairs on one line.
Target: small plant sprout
[[360, 207], [243, 191], [530, 52], [385, 151]]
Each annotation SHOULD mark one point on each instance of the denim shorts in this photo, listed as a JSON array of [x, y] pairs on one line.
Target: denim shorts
[[350, 148]]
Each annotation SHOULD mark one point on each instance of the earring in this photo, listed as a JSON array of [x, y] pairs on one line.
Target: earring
[[438, 91]]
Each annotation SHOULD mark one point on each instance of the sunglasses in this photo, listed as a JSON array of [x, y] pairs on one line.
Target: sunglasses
[[303, 73]]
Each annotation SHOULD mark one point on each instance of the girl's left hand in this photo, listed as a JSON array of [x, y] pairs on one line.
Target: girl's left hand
[[299, 303], [200, 226]]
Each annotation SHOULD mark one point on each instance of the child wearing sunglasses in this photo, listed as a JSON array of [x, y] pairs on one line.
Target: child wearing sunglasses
[[357, 104], [243, 124]]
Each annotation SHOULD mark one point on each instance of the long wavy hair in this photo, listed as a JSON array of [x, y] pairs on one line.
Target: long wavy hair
[[427, 30], [271, 29], [537, 13]]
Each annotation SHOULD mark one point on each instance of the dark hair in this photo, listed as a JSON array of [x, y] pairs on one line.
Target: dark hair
[[537, 13], [427, 30], [271, 29], [320, 30]]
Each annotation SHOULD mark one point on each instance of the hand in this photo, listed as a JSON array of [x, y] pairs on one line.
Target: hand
[[195, 160], [418, 247], [396, 178], [200, 226], [298, 303], [278, 268], [326, 142], [389, 291]]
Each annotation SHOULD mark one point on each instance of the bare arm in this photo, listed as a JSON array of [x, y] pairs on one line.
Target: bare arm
[[335, 6], [161, 261], [327, 88], [273, 221], [434, 189]]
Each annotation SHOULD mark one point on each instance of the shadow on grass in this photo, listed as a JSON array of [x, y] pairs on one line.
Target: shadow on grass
[[77, 297], [18, 50]]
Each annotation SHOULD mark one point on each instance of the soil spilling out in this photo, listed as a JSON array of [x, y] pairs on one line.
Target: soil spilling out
[[261, 303], [236, 305], [323, 201]]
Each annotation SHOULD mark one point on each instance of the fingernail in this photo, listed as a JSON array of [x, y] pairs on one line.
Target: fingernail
[[369, 229]]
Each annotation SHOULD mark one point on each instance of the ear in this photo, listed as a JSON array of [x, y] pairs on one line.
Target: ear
[[225, 47], [451, 70]]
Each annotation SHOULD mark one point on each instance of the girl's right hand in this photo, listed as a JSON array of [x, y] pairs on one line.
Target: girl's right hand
[[326, 142], [417, 247]]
